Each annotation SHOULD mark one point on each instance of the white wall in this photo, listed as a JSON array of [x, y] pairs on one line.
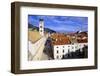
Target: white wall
[[5, 50], [66, 48]]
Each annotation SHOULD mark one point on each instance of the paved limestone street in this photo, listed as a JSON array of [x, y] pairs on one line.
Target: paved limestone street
[[41, 48], [44, 57]]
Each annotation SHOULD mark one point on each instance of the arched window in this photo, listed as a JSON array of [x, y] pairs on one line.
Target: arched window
[[57, 51], [68, 46], [68, 50], [40, 26], [63, 51], [57, 46]]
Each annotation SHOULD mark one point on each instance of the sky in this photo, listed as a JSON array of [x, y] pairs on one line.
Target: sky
[[61, 23]]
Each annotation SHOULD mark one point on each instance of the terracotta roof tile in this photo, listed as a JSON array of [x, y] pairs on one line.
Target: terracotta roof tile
[[60, 39]]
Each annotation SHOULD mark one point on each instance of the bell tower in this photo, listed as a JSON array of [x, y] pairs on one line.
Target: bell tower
[[41, 27]]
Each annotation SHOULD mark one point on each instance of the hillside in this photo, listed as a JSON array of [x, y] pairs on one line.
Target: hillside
[[33, 36], [37, 28]]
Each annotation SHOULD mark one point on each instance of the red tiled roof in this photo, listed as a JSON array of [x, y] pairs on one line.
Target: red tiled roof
[[60, 39]]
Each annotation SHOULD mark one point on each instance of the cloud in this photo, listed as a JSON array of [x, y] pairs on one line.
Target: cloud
[[57, 23]]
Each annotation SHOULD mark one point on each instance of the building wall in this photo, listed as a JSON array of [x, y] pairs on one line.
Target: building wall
[[60, 50]]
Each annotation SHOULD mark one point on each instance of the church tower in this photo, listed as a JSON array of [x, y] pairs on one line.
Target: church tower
[[41, 27]]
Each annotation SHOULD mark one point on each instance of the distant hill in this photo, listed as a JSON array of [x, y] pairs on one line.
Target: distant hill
[[37, 28], [49, 30], [33, 27], [30, 25]]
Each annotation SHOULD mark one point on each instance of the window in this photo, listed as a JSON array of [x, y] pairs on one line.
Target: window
[[68, 50], [63, 50], [57, 46], [40, 26], [63, 46], [57, 51], [63, 56]]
